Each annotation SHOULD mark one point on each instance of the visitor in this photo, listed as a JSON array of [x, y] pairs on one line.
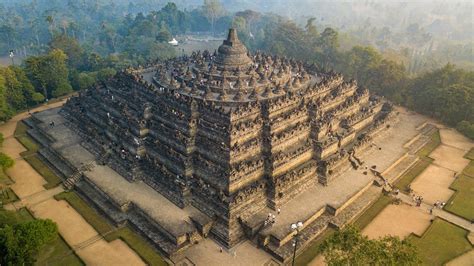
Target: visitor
[[278, 211]]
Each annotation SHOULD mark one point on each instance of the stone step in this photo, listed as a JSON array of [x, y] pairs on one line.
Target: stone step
[[38, 137], [133, 217], [56, 162]]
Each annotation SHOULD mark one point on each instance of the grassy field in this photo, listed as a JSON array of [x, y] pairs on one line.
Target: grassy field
[[9, 217], [50, 177], [56, 253], [462, 202], [469, 170], [441, 243], [410, 175], [470, 155], [430, 146], [101, 225], [4, 178], [21, 135], [7, 196]]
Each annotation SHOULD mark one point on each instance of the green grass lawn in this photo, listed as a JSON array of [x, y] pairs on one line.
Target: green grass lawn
[[410, 175], [58, 253], [462, 202], [431, 145], [101, 225], [31, 146], [469, 170], [50, 177], [20, 129], [7, 196], [4, 178], [441, 243], [9, 217], [470, 155], [21, 135]]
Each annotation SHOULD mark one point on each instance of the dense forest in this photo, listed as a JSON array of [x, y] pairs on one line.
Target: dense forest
[[70, 45]]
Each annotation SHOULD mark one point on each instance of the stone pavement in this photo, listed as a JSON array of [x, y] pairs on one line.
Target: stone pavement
[[438, 212], [244, 254]]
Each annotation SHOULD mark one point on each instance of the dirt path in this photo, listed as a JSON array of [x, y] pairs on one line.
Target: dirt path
[[83, 238], [398, 220], [90, 247]]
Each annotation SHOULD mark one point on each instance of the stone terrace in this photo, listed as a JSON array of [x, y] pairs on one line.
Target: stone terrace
[[162, 221], [119, 199], [318, 204]]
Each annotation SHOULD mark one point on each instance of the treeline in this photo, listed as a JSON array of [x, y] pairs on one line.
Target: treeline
[[446, 94], [64, 68], [105, 28], [74, 59]]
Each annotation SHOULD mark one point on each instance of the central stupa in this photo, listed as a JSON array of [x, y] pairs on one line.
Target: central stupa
[[232, 53]]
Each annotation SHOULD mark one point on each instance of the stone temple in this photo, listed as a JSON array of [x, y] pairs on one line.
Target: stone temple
[[216, 144]]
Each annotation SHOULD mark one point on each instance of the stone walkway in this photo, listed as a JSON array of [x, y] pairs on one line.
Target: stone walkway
[[439, 213], [28, 186], [34, 199]]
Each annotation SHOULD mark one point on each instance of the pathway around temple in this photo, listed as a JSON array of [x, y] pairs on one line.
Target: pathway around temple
[[433, 185], [86, 242]]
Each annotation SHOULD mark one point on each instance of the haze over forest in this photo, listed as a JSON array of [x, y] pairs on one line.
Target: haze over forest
[[418, 54]]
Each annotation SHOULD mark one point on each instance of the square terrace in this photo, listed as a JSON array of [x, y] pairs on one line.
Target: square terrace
[[386, 149]]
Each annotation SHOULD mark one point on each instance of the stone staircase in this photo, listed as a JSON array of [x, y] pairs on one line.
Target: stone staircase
[[71, 181]]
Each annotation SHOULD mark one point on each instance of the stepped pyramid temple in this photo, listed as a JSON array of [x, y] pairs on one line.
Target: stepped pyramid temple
[[226, 145]]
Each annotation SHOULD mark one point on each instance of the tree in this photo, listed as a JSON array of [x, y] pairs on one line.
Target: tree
[[5, 161], [163, 35], [19, 243], [70, 47], [349, 247], [49, 73], [15, 91], [250, 17], [329, 43], [213, 10], [466, 128]]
